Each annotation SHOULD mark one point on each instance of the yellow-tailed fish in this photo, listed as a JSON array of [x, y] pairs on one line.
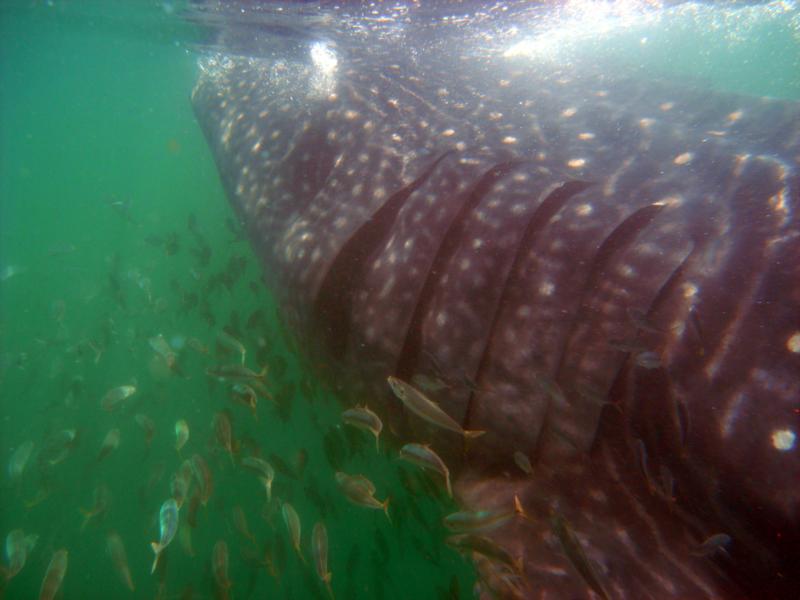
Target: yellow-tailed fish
[[58, 447], [197, 345], [18, 547], [110, 443], [19, 459], [360, 490], [54, 575], [102, 500], [293, 525], [550, 387], [713, 544], [641, 453], [226, 340], [116, 396], [648, 360], [246, 395], [148, 426], [180, 485], [161, 347], [482, 521], [224, 433], [423, 456], [468, 543], [428, 383], [116, 549], [202, 475], [219, 561], [574, 552], [265, 471], [168, 525], [355, 481], [181, 434], [426, 409], [261, 389], [319, 550], [497, 580], [640, 320], [240, 521], [363, 418], [523, 462], [236, 373]]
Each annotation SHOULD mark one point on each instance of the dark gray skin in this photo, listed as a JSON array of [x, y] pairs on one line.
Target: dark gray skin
[[604, 271]]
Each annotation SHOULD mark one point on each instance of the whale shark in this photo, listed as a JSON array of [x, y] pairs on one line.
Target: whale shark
[[600, 269]]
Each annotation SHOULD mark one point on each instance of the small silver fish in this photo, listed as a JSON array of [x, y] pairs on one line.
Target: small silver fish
[[161, 347], [428, 383], [9, 271], [361, 491], [236, 373], [226, 340], [115, 396], [549, 386], [116, 549], [423, 407], [363, 418], [54, 575], [168, 523], [574, 552], [648, 360], [466, 544], [319, 549], [18, 547], [181, 434], [292, 522], [713, 544], [640, 320], [424, 457], [483, 521], [265, 471], [523, 462], [19, 459], [219, 564]]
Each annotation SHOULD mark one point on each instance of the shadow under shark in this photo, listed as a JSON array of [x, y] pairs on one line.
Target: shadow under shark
[[604, 271]]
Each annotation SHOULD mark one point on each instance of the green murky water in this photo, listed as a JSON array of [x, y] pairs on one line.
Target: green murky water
[[114, 228]]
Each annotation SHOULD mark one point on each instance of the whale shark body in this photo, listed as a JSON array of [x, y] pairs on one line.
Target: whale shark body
[[603, 271]]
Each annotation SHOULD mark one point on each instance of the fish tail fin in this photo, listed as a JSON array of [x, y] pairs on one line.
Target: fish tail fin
[[267, 487], [471, 434], [518, 508], [385, 505], [128, 579], [519, 565], [87, 516], [327, 580], [157, 548]]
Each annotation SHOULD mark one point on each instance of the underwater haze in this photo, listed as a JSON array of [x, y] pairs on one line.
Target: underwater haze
[[133, 312]]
